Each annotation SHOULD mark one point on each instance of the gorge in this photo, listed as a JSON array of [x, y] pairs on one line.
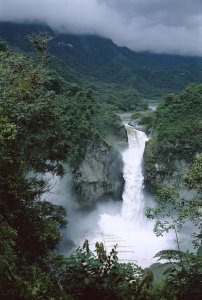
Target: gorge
[[78, 172], [116, 222]]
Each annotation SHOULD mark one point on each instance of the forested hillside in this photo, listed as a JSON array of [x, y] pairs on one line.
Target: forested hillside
[[99, 61], [41, 126], [47, 119], [176, 138]]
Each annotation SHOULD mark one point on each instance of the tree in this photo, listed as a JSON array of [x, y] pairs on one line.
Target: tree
[[39, 128], [100, 276], [184, 276], [31, 139]]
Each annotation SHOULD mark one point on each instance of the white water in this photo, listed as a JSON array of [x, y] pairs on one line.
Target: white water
[[113, 222], [133, 202], [129, 228]]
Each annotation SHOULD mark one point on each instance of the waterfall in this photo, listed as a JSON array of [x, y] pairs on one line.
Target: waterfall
[[133, 201], [129, 228], [115, 222], [123, 223]]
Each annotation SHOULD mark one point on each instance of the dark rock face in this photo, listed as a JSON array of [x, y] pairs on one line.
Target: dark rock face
[[165, 171], [99, 175]]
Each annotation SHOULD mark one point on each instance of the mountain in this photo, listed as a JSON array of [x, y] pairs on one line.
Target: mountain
[[99, 61], [176, 139]]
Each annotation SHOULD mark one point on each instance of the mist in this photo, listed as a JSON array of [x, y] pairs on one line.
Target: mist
[[82, 223], [159, 26], [105, 223]]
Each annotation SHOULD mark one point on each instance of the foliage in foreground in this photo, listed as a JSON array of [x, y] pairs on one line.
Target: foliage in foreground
[[39, 128], [35, 136], [100, 276], [184, 275], [31, 140], [177, 131]]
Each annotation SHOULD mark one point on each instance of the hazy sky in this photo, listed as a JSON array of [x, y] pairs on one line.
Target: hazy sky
[[161, 26]]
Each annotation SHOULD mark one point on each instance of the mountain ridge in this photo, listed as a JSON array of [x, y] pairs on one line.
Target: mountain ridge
[[98, 60]]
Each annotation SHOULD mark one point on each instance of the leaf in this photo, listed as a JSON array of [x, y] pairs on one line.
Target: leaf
[[170, 255]]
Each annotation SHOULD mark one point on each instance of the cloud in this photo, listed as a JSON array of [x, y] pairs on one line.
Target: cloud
[[160, 26]]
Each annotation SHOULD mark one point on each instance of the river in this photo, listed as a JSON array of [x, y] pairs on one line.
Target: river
[[129, 228], [122, 223]]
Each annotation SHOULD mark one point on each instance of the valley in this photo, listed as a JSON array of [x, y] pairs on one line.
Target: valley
[[100, 157]]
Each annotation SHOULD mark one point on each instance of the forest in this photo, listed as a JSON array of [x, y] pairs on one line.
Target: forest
[[68, 116]]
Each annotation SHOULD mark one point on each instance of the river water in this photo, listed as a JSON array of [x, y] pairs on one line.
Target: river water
[[129, 228], [133, 200], [122, 223]]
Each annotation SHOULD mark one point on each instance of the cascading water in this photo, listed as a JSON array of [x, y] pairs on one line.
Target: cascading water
[[133, 202], [114, 222], [130, 229]]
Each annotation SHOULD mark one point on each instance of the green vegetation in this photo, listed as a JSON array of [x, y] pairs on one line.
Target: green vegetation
[[121, 98], [174, 117], [184, 274], [145, 119], [43, 121], [31, 139], [99, 276], [99, 62], [177, 130]]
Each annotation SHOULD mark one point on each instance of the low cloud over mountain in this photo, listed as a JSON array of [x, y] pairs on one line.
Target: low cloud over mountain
[[160, 26]]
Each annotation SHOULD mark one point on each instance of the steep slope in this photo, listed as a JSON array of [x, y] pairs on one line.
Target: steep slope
[[176, 139], [99, 60], [102, 60], [99, 175]]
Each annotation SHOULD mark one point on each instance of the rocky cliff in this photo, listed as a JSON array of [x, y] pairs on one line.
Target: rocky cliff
[[167, 172], [176, 139], [143, 121], [99, 175]]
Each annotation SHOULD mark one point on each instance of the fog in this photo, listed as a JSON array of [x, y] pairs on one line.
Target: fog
[[121, 223], [105, 223], [160, 26]]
